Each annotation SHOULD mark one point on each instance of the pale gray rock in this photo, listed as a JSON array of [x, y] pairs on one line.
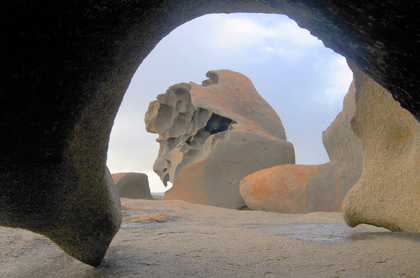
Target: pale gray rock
[[388, 192]]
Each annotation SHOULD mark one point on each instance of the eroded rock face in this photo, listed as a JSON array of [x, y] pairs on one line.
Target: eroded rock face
[[212, 135], [340, 141], [388, 192], [132, 185], [299, 188]]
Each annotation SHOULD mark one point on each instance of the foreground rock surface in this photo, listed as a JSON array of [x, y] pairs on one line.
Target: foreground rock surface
[[132, 185], [299, 188], [179, 239], [388, 192], [212, 135]]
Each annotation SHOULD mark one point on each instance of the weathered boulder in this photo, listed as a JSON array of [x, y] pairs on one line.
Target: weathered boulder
[[299, 188], [213, 135], [388, 192], [132, 185], [340, 141]]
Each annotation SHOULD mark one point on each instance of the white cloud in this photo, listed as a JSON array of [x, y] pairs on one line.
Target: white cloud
[[339, 79], [238, 32], [293, 54], [291, 32], [233, 33]]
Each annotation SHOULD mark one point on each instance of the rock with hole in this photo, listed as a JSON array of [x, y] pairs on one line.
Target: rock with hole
[[212, 135]]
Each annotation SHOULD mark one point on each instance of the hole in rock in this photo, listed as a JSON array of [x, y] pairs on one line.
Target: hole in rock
[[217, 124], [303, 81]]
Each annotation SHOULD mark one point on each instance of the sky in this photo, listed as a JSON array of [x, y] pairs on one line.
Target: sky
[[303, 81]]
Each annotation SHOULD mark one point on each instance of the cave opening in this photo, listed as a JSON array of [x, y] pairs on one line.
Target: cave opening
[[303, 81]]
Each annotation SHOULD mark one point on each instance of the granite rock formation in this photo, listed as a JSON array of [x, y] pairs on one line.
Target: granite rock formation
[[310, 188], [66, 66], [299, 188], [213, 135], [388, 192], [340, 141], [132, 185]]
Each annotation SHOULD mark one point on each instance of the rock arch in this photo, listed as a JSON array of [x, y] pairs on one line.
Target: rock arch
[[66, 66]]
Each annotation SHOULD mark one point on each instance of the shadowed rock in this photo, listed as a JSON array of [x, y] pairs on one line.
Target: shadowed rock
[[81, 214], [211, 136], [132, 185]]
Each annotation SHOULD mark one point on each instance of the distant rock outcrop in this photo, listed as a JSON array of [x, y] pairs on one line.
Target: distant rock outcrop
[[299, 188], [340, 141], [132, 185], [388, 192], [213, 135]]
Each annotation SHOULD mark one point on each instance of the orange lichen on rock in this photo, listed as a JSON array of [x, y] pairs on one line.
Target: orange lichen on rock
[[117, 176], [299, 188], [157, 217], [148, 218], [289, 192]]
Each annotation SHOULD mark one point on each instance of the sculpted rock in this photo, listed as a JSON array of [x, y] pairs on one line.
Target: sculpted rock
[[213, 135], [388, 192], [341, 143], [132, 185], [299, 188]]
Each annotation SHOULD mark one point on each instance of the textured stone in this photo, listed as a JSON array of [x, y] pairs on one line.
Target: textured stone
[[81, 215], [299, 188], [213, 135], [388, 192], [66, 66], [132, 185], [340, 141]]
